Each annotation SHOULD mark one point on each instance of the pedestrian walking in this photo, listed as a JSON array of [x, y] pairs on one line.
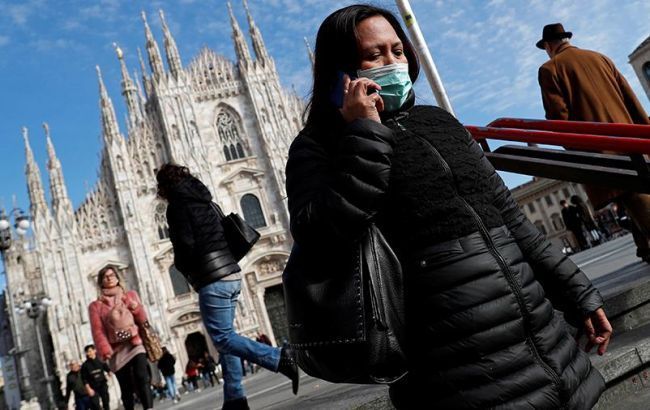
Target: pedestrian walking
[[208, 369], [168, 370], [587, 219], [114, 320], [202, 254], [192, 374], [481, 281], [573, 223], [583, 85], [74, 384], [94, 374]]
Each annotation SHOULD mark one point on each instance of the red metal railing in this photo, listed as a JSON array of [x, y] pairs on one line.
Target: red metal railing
[[581, 160], [589, 142], [578, 127]]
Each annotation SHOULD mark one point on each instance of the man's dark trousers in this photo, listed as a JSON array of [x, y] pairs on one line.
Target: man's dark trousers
[[101, 392]]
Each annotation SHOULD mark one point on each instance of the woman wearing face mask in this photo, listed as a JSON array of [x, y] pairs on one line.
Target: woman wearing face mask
[[481, 280], [114, 320]]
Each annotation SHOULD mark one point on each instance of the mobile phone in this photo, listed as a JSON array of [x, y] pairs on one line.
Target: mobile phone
[[337, 93]]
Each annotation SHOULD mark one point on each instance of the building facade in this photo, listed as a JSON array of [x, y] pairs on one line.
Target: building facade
[[231, 123], [540, 199], [640, 61]]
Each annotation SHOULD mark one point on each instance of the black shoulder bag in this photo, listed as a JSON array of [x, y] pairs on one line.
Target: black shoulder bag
[[240, 235], [346, 311]]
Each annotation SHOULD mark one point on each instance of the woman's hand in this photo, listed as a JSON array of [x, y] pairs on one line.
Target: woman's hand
[[130, 303], [356, 101], [598, 331]]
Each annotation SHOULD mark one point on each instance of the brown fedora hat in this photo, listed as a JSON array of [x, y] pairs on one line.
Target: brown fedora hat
[[553, 32]]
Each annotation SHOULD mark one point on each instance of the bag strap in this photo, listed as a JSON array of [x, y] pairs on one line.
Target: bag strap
[[217, 209]]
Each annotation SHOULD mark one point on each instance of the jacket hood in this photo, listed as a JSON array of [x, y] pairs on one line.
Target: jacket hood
[[191, 188]]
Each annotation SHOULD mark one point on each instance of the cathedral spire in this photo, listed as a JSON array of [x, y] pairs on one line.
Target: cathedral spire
[[256, 36], [143, 69], [60, 200], [34, 183], [129, 91], [310, 53], [155, 61], [110, 128], [241, 48], [173, 57]]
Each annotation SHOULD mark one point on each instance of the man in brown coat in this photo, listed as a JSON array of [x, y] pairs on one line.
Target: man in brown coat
[[583, 85]]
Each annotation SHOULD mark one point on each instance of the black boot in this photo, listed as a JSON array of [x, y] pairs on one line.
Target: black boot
[[237, 404], [289, 367]]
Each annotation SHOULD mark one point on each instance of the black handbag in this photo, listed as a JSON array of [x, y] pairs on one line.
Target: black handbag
[[346, 311], [240, 236]]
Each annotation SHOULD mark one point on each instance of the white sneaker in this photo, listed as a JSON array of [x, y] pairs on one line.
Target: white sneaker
[[175, 401]]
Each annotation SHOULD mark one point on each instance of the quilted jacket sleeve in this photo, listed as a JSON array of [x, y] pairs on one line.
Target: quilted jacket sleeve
[[333, 194], [566, 286], [98, 331]]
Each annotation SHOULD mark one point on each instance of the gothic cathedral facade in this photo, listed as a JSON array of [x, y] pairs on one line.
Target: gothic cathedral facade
[[231, 123]]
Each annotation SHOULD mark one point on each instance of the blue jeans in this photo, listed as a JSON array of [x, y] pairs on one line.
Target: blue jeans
[[83, 403], [170, 381], [218, 302]]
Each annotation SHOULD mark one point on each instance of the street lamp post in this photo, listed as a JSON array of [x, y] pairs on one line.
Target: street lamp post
[[21, 225], [33, 308]]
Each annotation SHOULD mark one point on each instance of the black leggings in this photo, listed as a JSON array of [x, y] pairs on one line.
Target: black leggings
[[134, 377]]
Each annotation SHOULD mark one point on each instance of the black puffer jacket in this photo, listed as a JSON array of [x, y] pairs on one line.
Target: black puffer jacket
[[482, 281], [201, 252]]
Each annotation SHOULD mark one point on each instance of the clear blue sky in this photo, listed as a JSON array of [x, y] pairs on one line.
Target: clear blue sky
[[484, 51]]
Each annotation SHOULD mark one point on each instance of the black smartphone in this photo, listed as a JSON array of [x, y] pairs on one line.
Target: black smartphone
[[337, 93]]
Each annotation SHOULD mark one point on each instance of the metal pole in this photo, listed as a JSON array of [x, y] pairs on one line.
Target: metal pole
[[25, 387], [426, 60], [50, 395]]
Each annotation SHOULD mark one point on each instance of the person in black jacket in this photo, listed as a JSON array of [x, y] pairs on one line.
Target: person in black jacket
[[481, 281], [74, 384], [166, 366], [202, 255], [573, 222], [93, 374]]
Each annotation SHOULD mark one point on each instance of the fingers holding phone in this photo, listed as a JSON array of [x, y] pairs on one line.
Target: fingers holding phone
[[361, 99]]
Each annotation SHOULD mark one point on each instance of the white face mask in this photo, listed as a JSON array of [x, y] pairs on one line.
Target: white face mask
[[395, 83]]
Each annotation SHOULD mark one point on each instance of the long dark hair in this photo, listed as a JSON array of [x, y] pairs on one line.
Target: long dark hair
[[168, 176], [336, 50]]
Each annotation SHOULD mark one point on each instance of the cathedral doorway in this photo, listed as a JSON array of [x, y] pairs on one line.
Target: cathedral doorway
[[277, 311], [195, 345]]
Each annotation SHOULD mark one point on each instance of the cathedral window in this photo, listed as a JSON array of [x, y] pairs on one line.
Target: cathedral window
[[179, 284], [230, 137], [252, 210], [161, 222]]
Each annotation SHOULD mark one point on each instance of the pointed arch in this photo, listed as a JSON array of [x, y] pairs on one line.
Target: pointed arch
[[250, 206], [179, 283], [160, 220], [230, 133]]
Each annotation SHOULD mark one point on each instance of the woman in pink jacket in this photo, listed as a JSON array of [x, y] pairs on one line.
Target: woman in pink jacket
[[114, 320]]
